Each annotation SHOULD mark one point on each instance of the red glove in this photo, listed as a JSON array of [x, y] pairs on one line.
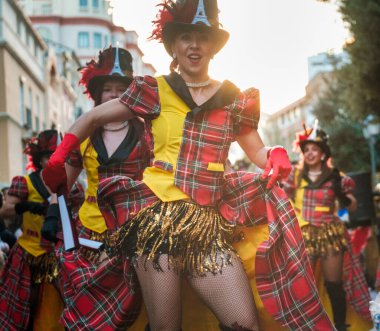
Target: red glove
[[278, 161], [54, 175]]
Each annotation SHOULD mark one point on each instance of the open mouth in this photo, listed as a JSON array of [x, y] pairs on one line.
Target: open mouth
[[194, 58]]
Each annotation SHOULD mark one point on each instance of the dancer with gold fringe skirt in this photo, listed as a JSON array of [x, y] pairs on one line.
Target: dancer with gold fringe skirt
[[315, 189], [185, 229], [121, 148]]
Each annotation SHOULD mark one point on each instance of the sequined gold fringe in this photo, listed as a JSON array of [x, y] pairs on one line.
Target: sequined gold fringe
[[44, 268], [329, 237], [91, 254], [196, 238]]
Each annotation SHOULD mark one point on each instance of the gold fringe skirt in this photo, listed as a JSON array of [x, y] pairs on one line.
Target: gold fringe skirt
[[94, 255], [324, 239], [43, 268], [195, 238]]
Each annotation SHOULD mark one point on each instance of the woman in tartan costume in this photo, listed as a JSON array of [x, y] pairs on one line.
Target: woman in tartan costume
[[189, 208], [315, 187], [120, 148], [28, 283]]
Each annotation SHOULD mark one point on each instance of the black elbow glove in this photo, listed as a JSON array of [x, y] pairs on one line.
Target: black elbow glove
[[33, 207], [337, 187], [50, 227]]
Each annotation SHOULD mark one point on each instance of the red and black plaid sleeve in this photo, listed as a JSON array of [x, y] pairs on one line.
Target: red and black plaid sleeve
[[142, 98], [75, 159], [19, 188], [246, 109]]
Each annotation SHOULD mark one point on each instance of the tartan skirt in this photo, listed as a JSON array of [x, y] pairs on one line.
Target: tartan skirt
[[97, 296], [20, 272]]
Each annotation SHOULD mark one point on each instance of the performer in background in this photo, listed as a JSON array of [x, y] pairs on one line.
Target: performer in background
[[28, 283], [315, 188], [120, 148], [191, 208]]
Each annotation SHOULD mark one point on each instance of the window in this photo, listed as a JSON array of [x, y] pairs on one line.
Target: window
[[22, 101], [19, 24], [95, 4], [29, 123], [38, 111], [83, 4], [106, 41], [83, 40], [97, 40]]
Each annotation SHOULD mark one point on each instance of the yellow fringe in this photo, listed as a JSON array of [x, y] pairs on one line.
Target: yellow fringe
[[44, 268], [320, 240], [91, 254], [193, 236]]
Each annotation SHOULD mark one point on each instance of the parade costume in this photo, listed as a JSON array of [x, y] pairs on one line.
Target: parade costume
[[26, 283], [188, 207], [239, 198], [115, 298], [315, 205]]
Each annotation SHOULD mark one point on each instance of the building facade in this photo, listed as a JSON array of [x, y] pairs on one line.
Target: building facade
[[34, 95], [281, 126], [84, 26]]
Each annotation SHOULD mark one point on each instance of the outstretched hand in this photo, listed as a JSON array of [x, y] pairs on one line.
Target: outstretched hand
[[278, 161]]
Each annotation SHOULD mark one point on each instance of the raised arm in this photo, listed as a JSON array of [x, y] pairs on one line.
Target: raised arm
[[54, 175], [111, 111]]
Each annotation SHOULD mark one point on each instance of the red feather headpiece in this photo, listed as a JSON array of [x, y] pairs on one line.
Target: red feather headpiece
[[100, 69], [94, 69], [170, 11], [45, 142]]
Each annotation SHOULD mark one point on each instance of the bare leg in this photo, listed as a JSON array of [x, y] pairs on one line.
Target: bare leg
[[229, 296], [162, 294]]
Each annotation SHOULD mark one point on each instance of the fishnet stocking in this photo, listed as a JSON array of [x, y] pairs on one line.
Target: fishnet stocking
[[229, 296], [162, 294]]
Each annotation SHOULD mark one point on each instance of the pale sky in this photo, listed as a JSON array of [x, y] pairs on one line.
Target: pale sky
[[270, 41]]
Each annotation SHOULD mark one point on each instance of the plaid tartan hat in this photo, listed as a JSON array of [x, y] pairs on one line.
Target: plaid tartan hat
[[188, 15], [112, 63]]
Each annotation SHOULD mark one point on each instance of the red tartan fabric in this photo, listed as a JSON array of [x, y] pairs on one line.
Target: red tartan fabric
[[15, 282], [354, 282], [19, 188], [120, 198], [284, 276], [97, 297], [207, 136]]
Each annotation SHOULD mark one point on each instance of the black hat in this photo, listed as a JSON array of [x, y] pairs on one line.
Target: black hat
[[315, 136], [188, 15], [113, 62]]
